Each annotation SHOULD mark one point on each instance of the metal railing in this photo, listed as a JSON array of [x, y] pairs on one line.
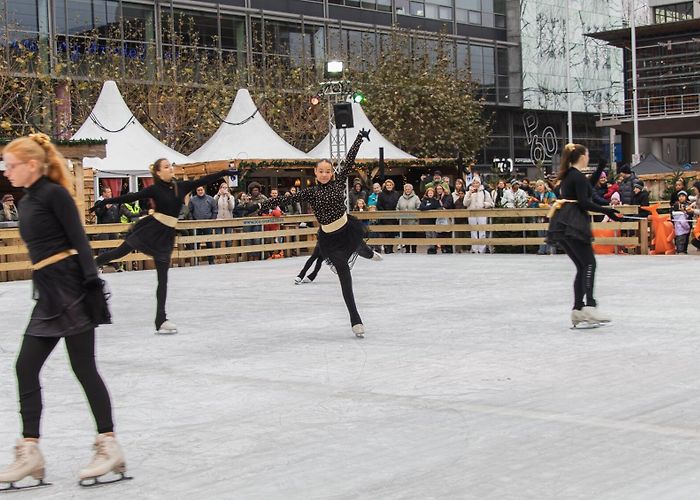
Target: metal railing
[[658, 107]]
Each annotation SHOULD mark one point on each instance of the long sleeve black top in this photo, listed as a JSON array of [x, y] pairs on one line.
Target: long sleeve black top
[[168, 196], [575, 186], [327, 200], [49, 223]]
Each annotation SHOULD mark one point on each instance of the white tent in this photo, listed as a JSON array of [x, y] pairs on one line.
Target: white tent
[[130, 147], [246, 135], [368, 150]]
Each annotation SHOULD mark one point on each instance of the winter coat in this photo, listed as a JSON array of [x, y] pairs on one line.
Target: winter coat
[[429, 204], [520, 199], [292, 208], [626, 190], [225, 206], [372, 200], [599, 195], [387, 200], [506, 200], [405, 203], [107, 215], [476, 201], [681, 218], [446, 203], [354, 196], [203, 207]]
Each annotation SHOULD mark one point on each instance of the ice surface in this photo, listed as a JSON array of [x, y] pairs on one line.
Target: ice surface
[[469, 383]]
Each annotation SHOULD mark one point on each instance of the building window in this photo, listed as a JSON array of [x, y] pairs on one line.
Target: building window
[[383, 5], [673, 12]]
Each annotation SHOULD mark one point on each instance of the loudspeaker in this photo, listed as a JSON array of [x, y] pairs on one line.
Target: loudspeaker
[[342, 113]]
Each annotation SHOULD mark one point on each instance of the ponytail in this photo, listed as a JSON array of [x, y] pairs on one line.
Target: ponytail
[[40, 148], [572, 153]]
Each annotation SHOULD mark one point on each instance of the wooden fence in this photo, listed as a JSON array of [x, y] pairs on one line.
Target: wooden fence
[[257, 237]]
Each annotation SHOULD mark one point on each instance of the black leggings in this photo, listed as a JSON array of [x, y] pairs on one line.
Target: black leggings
[[161, 269], [81, 351], [315, 256], [343, 269], [581, 253]]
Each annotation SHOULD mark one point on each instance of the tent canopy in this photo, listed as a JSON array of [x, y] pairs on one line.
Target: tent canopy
[[652, 165], [245, 134], [368, 150], [130, 147]]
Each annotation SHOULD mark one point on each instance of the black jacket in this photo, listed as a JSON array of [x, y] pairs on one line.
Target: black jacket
[[387, 200], [641, 199]]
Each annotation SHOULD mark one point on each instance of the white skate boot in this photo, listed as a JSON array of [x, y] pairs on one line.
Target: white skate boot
[[377, 256], [596, 315], [109, 457], [359, 330], [297, 280], [167, 328], [28, 462], [580, 320]]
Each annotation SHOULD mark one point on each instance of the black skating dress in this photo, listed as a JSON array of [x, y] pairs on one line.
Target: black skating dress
[[151, 236], [572, 221], [328, 204], [49, 223]]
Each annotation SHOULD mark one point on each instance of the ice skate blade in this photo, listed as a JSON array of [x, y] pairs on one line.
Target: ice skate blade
[[165, 332], [93, 482], [12, 488], [590, 326]]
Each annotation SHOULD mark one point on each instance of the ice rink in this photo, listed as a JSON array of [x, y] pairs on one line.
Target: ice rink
[[468, 385]]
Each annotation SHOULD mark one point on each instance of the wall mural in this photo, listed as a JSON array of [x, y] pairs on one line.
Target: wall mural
[[595, 69]]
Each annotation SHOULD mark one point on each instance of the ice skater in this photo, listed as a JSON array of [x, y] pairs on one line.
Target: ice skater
[[70, 303], [154, 235], [341, 237], [315, 257], [570, 228]]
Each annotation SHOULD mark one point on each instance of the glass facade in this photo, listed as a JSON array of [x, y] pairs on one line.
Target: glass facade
[[674, 12]]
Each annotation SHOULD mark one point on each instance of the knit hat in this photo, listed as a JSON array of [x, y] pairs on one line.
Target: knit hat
[[603, 175], [682, 193], [625, 169], [615, 197], [638, 185]]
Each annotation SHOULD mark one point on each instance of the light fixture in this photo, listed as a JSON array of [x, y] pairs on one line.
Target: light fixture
[[334, 67], [358, 97]]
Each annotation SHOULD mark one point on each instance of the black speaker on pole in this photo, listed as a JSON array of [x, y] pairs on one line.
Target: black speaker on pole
[[381, 163], [342, 112]]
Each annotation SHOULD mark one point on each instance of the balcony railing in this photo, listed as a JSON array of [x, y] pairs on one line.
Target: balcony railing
[[658, 107]]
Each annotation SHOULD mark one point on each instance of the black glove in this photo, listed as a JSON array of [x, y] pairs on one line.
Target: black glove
[[98, 204], [612, 213], [365, 134], [95, 300]]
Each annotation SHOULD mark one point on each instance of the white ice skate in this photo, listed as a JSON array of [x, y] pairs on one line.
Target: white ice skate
[[167, 328], [594, 314], [580, 320], [28, 462], [377, 256], [109, 457], [297, 280], [359, 330]]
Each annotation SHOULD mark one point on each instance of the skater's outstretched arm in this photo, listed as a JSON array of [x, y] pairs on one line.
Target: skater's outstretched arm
[[67, 215], [352, 153], [587, 204], [187, 186], [125, 198]]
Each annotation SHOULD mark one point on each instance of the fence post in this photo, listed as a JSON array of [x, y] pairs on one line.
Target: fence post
[[644, 236]]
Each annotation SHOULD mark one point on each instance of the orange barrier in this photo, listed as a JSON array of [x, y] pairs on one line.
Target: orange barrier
[[604, 249], [662, 242]]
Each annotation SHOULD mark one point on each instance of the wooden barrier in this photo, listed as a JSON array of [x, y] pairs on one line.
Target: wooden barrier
[[248, 237]]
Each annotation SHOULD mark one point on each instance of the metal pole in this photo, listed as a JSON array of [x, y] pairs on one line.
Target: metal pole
[[635, 113], [569, 120]]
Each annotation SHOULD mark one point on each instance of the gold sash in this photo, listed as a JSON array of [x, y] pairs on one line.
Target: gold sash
[[167, 220], [335, 225], [53, 259], [557, 205]]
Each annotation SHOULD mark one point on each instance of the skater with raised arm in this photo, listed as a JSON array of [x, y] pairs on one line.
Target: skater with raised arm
[[341, 237], [570, 228], [70, 303], [154, 235]]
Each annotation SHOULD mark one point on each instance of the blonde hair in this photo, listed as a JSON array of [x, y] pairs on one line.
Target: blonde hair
[[40, 148]]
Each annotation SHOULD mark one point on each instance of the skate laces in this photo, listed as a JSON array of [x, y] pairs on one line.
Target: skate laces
[[101, 452]]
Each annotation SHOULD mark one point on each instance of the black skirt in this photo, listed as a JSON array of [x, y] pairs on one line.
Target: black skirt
[[60, 310], [153, 238], [342, 244], [569, 222]]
